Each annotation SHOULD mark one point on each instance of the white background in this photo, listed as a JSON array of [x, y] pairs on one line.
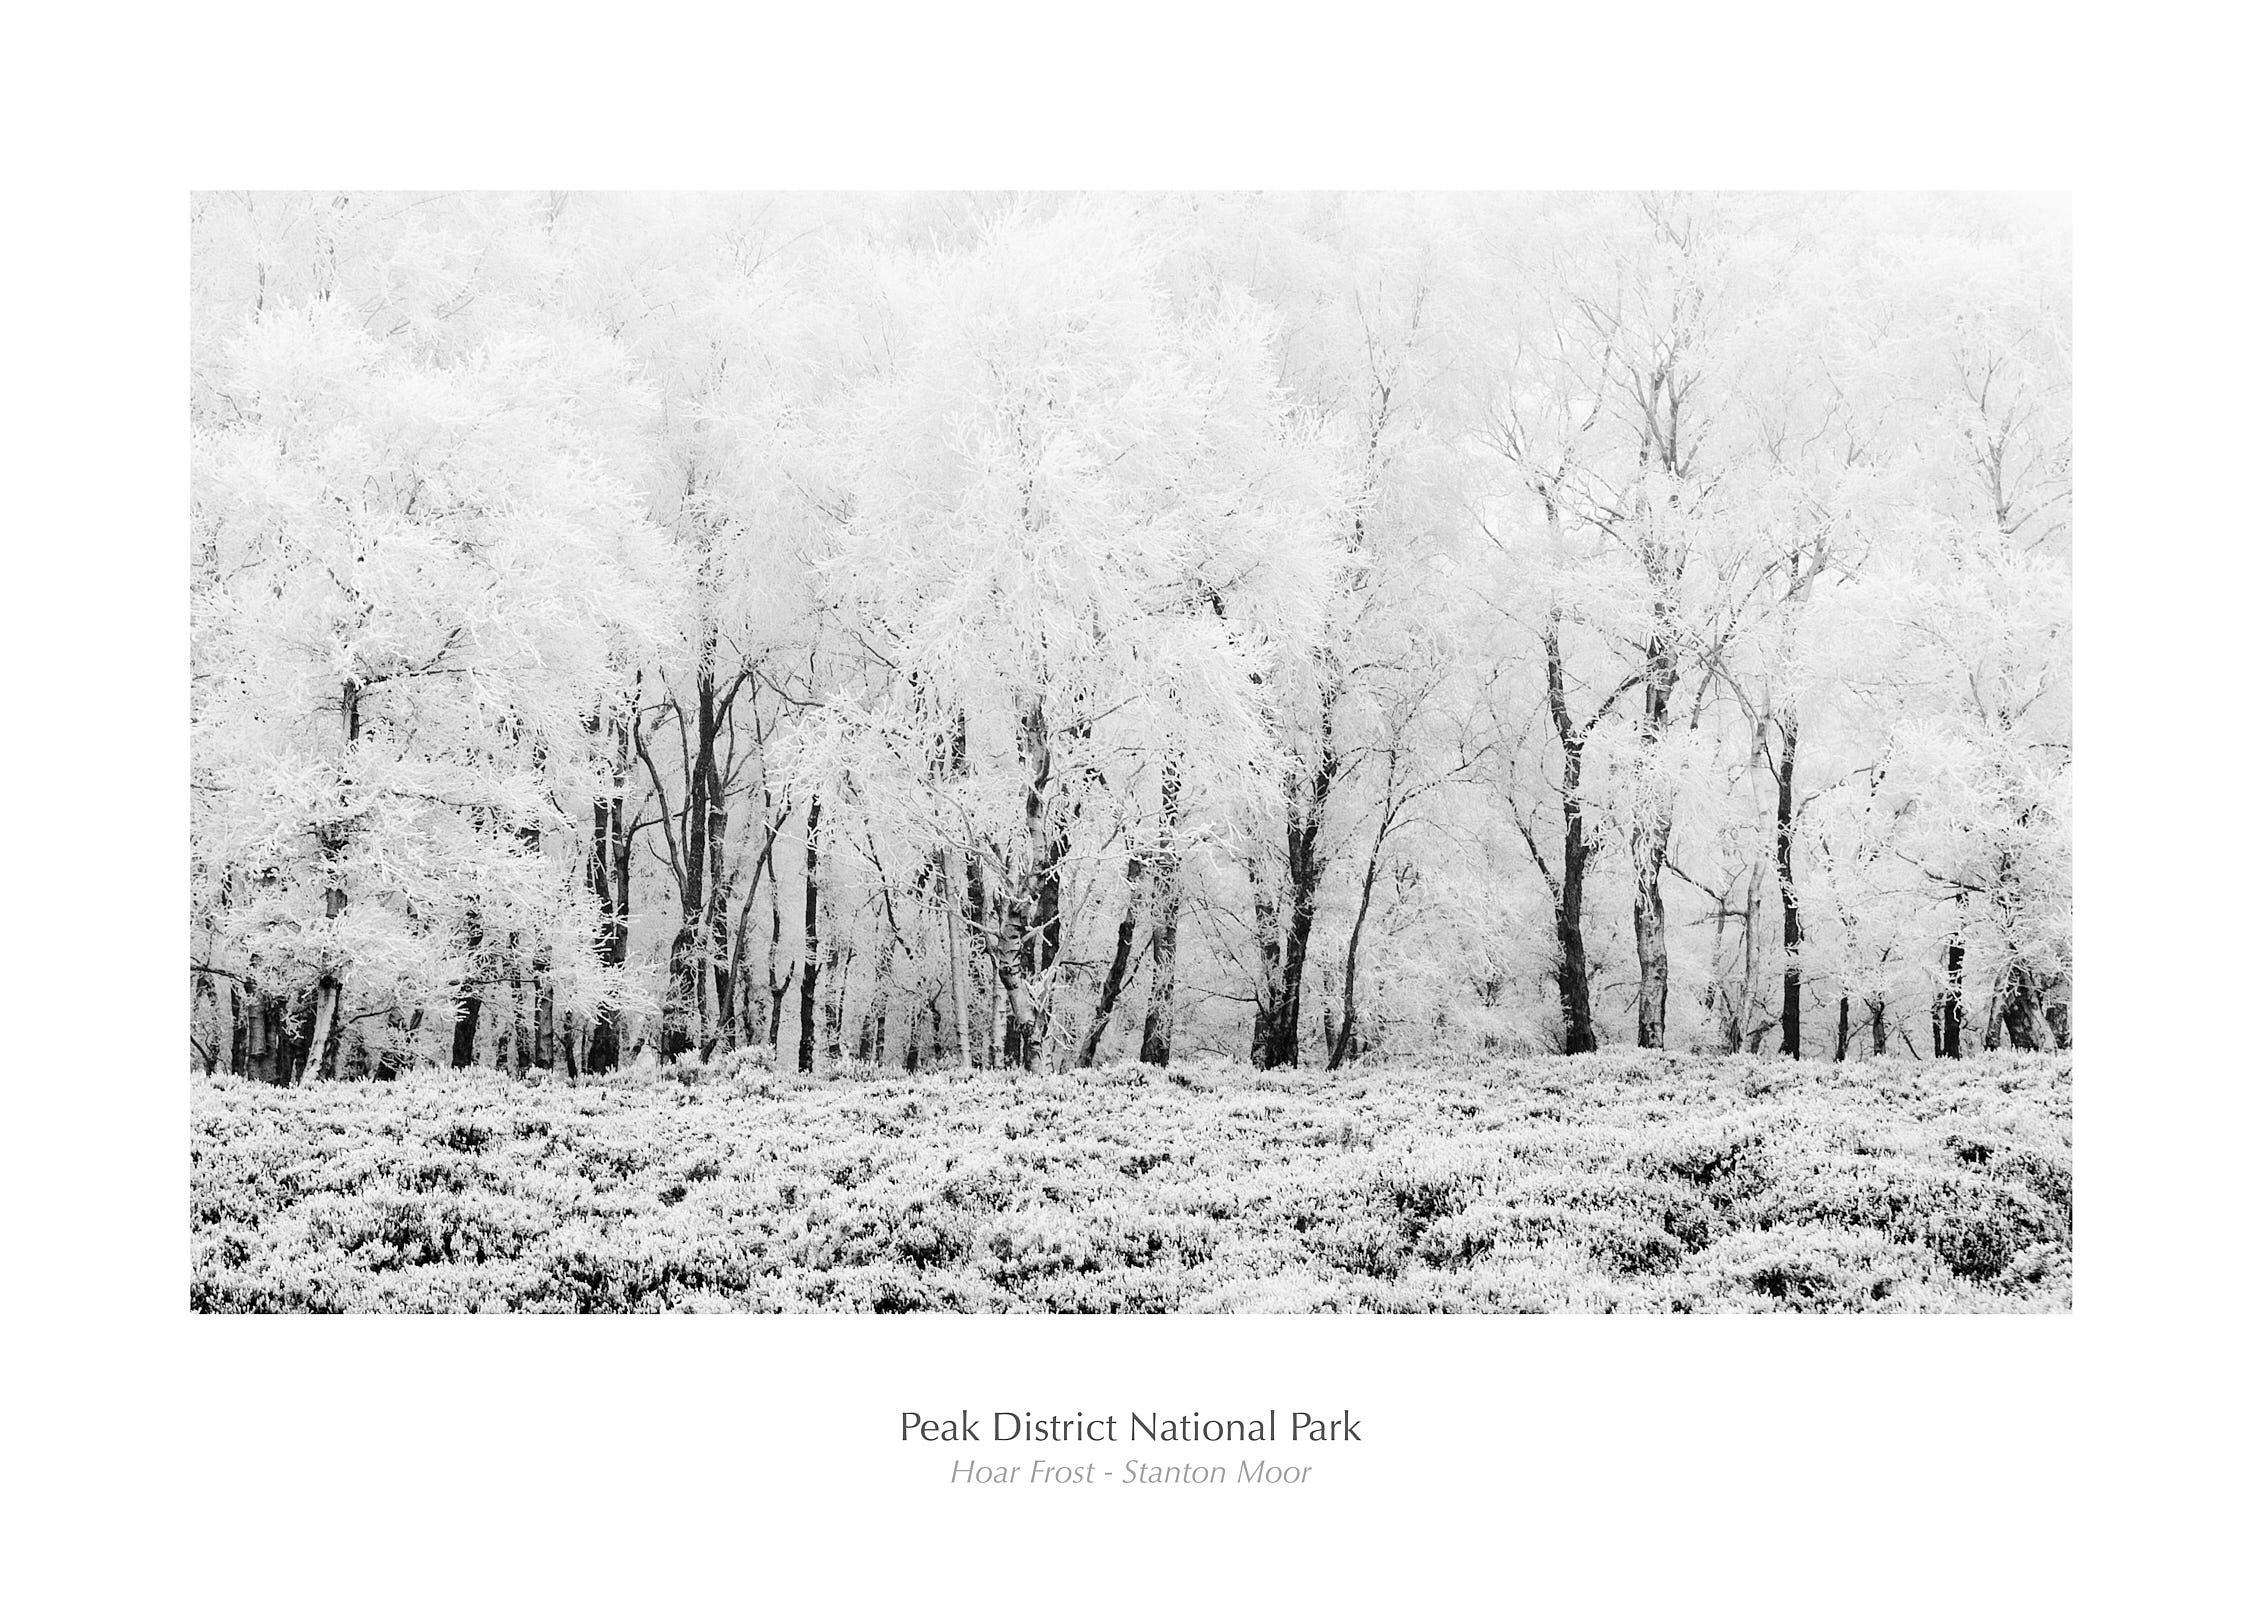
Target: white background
[[2103, 1452]]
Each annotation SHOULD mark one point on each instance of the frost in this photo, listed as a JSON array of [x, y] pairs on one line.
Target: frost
[[1650, 1184]]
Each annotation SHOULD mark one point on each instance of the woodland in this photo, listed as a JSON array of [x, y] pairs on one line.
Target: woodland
[[872, 634]]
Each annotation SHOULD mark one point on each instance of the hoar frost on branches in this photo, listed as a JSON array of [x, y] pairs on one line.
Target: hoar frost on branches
[[1010, 630]]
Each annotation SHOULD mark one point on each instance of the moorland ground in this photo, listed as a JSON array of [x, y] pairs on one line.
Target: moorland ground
[[1621, 1182]]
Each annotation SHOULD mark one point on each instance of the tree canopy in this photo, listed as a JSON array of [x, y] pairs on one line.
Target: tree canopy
[[1001, 630]]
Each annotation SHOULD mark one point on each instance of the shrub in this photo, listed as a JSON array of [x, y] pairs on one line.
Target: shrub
[[1608, 1183]]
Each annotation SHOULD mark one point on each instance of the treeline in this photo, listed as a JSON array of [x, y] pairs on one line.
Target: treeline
[[984, 630]]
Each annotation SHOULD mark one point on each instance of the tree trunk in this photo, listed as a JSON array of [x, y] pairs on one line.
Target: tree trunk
[[715, 943], [806, 1052], [467, 996], [956, 954], [838, 960], [522, 1012], [321, 1057], [684, 1013], [261, 1026], [978, 919], [1571, 884], [298, 1033], [1652, 831], [609, 885], [240, 1001], [1952, 1005], [545, 1018], [1728, 1019], [1792, 935], [530, 983], [1162, 988], [1650, 944], [779, 980], [1877, 1005], [995, 1047], [208, 1021], [1265, 1027], [1350, 1030], [1846, 1011], [1032, 932], [1119, 966], [329, 989], [1307, 810], [1347, 1040], [872, 1036], [739, 976], [2020, 1009], [1023, 1028]]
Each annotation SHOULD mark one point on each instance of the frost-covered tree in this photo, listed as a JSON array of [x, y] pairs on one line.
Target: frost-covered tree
[[1013, 629], [1078, 526], [413, 575]]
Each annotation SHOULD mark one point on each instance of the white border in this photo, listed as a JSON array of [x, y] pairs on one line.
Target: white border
[[1558, 1455]]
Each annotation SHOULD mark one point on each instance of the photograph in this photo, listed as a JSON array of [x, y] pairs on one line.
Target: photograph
[[1160, 751], [1204, 801]]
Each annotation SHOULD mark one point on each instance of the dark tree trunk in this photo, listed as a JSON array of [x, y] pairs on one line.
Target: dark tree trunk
[[683, 1023], [298, 1037], [545, 1018], [1162, 989], [1652, 835], [1877, 1025], [264, 1026], [837, 963], [519, 1027], [1023, 1036], [240, 1003], [1308, 806], [1033, 910], [1119, 966], [951, 910], [725, 1034], [1265, 1026], [209, 1043], [1650, 943], [779, 979], [746, 1021], [1784, 885], [329, 989], [978, 918], [1343, 1042], [609, 883], [535, 1007], [467, 997], [1952, 1005], [1348, 1039], [872, 1035], [1571, 967], [1569, 885], [1846, 1017], [806, 1051], [2020, 1010], [715, 942]]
